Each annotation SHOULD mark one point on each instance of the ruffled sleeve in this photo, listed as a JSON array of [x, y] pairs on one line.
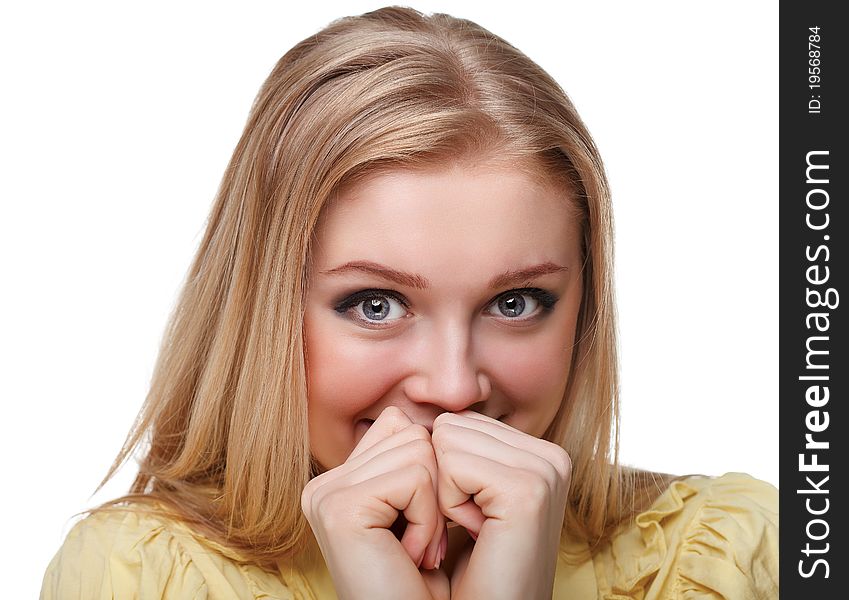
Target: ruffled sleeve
[[121, 555], [130, 554], [702, 538]]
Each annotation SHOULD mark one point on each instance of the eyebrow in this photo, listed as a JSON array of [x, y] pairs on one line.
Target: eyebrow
[[411, 280]]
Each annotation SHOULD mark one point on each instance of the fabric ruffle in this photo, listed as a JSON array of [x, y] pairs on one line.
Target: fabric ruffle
[[702, 538], [130, 554]]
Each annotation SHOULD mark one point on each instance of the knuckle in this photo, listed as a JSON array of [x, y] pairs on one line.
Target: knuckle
[[318, 503], [562, 461], [329, 506], [306, 502], [551, 476], [420, 475], [441, 419], [421, 450], [442, 435], [308, 495], [534, 490], [418, 432], [445, 506], [394, 416], [559, 459], [438, 436]]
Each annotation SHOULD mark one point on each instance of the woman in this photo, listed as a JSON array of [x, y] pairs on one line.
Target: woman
[[392, 371]]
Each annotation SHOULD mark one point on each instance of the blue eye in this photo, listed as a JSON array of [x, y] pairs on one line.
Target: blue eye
[[374, 306], [523, 303], [513, 305], [378, 308]]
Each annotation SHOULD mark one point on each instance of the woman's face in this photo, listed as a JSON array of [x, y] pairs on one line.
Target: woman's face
[[442, 290]]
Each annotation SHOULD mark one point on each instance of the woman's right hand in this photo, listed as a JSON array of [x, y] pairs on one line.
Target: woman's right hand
[[352, 507]]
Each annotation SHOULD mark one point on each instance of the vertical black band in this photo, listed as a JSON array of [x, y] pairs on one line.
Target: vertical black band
[[814, 370]]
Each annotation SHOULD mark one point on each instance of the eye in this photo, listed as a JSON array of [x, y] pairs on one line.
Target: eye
[[374, 306], [525, 303]]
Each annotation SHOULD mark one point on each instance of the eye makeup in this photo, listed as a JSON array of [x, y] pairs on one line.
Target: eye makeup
[[545, 299], [356, 298]]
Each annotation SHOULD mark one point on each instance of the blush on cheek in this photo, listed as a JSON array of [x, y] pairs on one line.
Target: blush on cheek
[[540, 385], [347, 375], [535, 373]]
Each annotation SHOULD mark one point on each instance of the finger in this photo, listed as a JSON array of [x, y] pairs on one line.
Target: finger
[[479, 422], [552, 453], [415, 448], [501, 492], [470, 414], [386, 456], [404, 450], [433, 557], [375, 504], [455, 438], [408, 436], [391, 421], [409, 491], [466, 493], [401, 527], [469, 516]]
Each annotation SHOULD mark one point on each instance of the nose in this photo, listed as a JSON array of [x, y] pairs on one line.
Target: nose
[[447, 372]]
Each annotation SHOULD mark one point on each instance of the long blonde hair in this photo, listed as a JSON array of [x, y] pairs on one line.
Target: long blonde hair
[[223, 436]]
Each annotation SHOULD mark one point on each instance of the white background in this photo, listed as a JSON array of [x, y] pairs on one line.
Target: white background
[[117, 122]]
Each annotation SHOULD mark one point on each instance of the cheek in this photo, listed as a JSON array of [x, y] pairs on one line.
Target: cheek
[[533, 372], [346, 375]]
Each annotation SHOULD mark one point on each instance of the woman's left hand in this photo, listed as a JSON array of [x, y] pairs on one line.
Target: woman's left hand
[[509, 489]]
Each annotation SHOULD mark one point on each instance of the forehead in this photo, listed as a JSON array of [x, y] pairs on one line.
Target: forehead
[[449, 222]]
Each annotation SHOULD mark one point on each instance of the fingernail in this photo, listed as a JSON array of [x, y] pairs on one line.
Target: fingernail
[[473, 535]]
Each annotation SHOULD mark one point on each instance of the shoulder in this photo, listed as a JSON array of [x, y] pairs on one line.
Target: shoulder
[[705, 537], [129, 553]]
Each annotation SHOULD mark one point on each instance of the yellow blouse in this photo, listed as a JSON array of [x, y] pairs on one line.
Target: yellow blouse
[[702, 538]]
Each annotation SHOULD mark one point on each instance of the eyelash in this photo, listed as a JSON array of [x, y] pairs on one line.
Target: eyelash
[[546, 301]]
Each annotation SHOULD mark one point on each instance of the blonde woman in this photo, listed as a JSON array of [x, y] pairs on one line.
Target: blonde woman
[[392, 372]]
